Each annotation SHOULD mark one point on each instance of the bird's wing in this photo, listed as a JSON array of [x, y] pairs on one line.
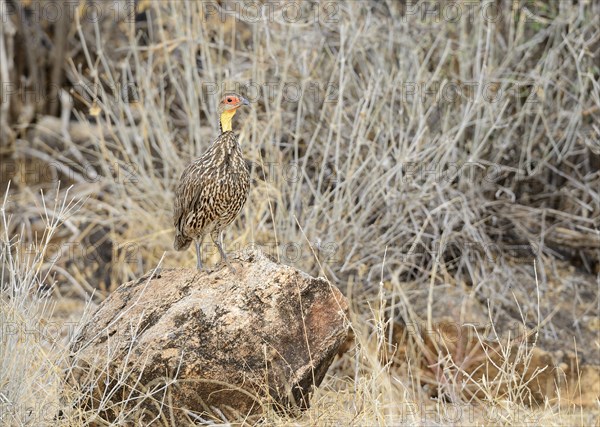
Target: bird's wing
[[184, 193], [193, 193], [178, 203]]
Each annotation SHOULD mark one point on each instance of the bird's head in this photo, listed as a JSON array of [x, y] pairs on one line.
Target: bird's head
[[230, 102]]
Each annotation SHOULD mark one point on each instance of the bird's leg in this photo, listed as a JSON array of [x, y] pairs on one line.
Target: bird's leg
[[217, 239], [198, 255]]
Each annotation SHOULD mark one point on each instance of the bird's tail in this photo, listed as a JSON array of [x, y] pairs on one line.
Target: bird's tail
[[181, 242]]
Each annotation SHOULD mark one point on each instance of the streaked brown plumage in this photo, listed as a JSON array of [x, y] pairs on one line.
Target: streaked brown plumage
[[213, 188]]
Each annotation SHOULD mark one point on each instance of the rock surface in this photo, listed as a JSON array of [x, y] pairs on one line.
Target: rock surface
[[221, 341]]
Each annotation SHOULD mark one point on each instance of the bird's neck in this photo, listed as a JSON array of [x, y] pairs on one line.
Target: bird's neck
[[225, 121]]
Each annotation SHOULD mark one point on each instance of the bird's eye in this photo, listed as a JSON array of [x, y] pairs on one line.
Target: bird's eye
[[228, 99]]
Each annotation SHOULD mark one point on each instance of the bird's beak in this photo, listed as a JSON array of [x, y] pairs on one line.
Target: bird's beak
[[245, 101]]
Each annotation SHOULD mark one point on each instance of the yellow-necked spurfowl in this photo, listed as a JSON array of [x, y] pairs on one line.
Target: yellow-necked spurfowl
[[213, 188]]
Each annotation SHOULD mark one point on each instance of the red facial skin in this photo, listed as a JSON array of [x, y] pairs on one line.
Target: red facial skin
[[233, 101]]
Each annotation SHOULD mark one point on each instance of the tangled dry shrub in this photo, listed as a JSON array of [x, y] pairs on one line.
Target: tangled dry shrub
[[420, 152]]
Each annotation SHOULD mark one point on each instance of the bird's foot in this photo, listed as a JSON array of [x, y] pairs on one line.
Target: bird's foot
[[229, 266], [233, 270]]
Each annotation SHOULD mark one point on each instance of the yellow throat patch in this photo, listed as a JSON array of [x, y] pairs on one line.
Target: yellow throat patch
[[226, 117]]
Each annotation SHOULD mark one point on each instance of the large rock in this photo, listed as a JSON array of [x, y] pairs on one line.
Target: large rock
[[223, 342]]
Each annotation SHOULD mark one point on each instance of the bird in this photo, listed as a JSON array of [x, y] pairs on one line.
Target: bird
[[213, 188]]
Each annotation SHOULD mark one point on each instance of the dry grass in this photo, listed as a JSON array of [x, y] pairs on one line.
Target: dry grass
[[380, 177]]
